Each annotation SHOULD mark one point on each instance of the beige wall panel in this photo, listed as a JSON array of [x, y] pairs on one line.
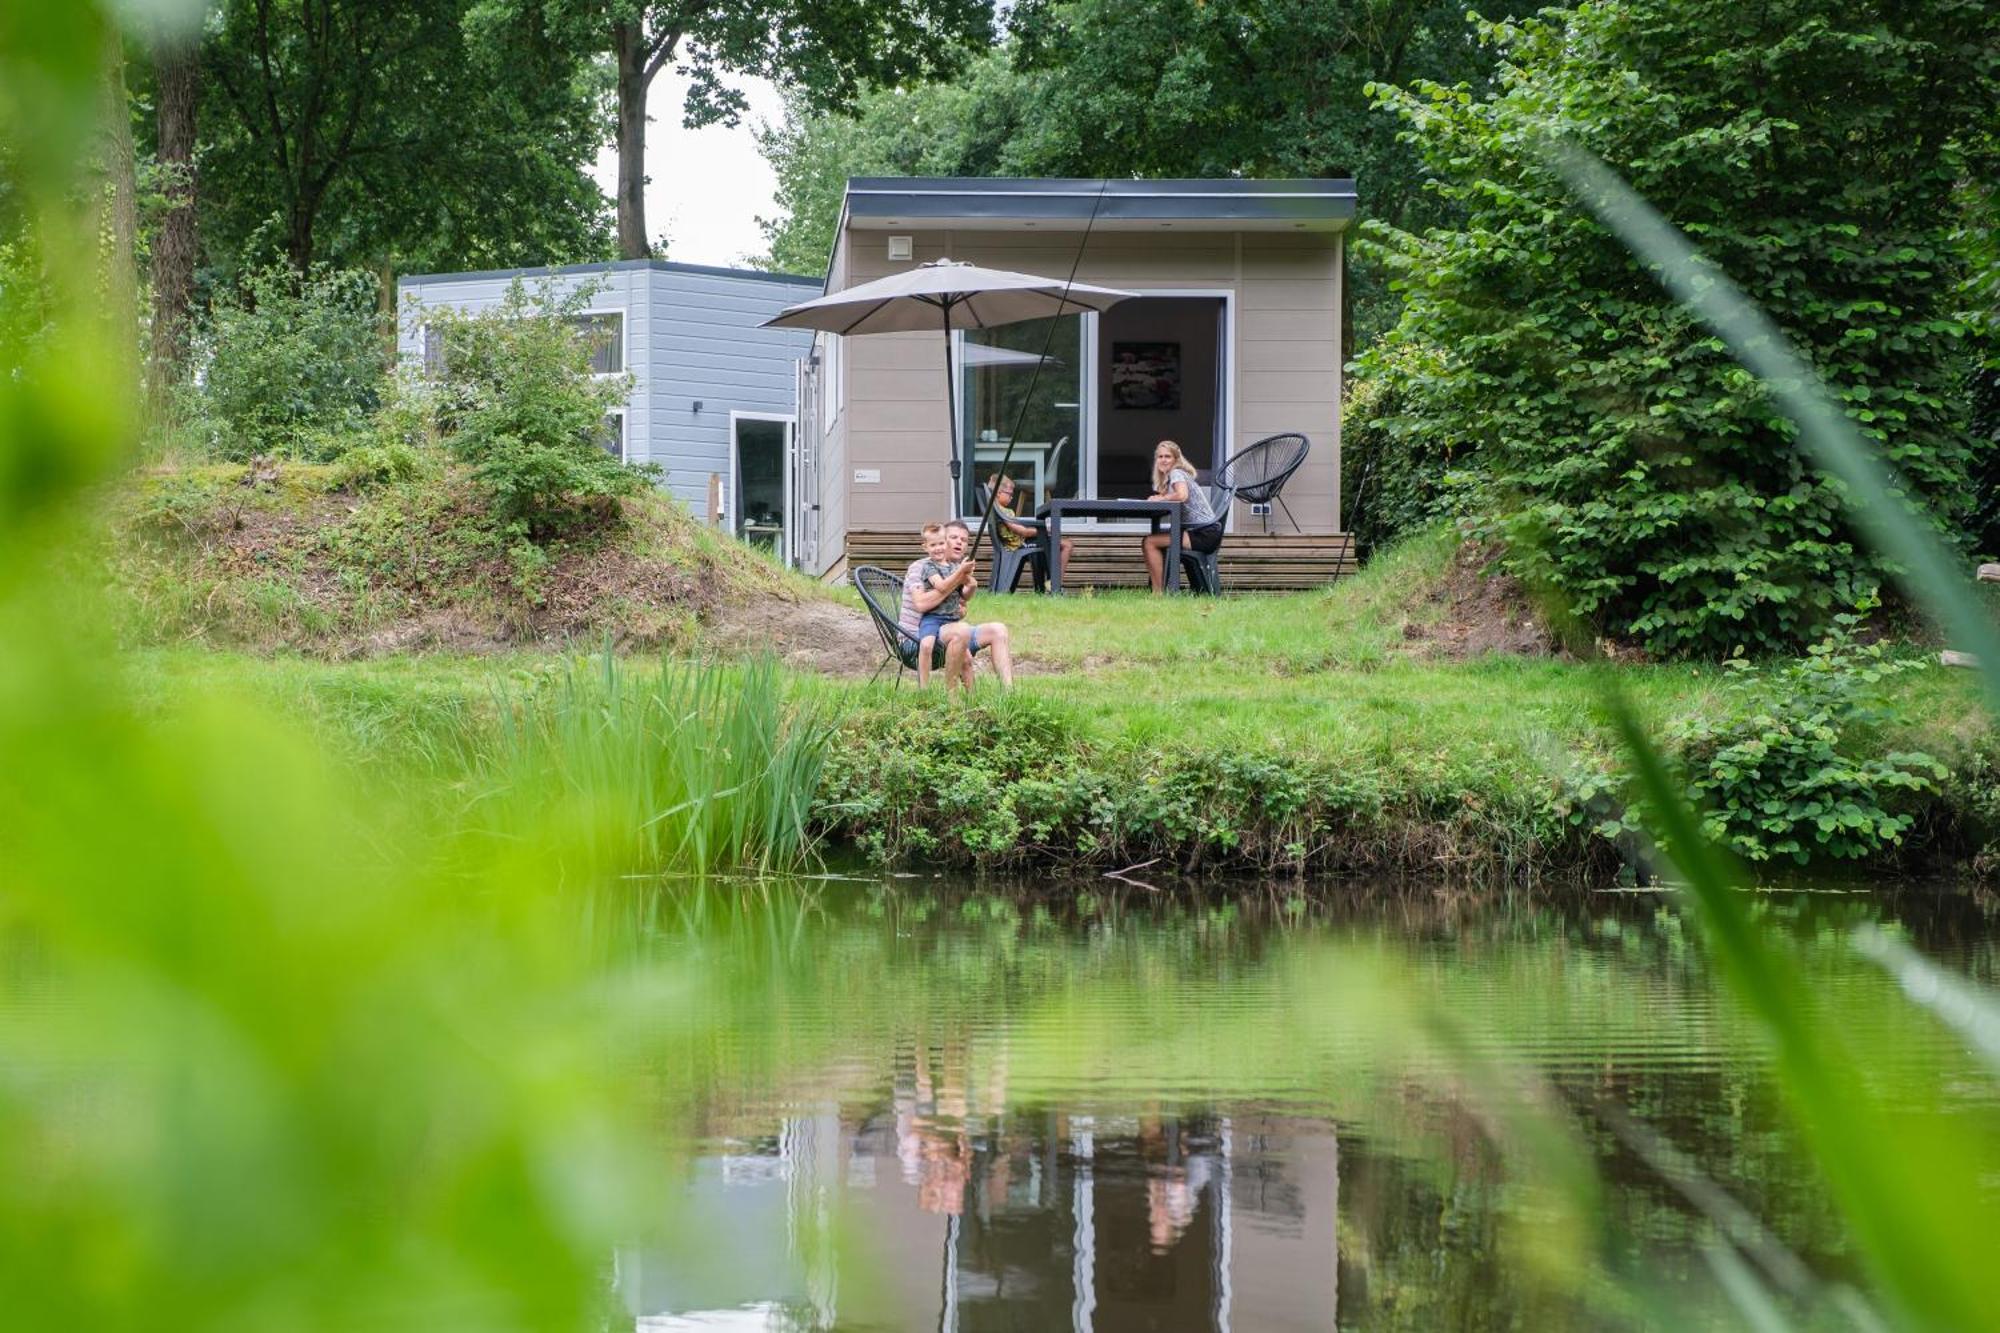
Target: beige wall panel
[[1255, 324], [893, 512], [1255, 420], [899, 382], [890, 449], [893, 351], [1291, 239], [1313, 266], [1287, 386], [1285, 294], [1314, 356], [866, 417]]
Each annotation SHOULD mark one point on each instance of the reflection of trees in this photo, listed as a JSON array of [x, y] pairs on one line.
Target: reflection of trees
[[966, 1009]]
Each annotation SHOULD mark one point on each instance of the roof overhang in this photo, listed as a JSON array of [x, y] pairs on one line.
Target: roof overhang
[[918, 203]]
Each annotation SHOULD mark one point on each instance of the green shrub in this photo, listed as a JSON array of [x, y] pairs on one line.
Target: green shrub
[[516, 399], [1635, 468], [293, 365], [378, 461], [1787, 764], [1397, 475]]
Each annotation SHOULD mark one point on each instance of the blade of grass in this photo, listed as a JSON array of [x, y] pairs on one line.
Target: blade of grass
[[1918, 1228], [1961, 1006]]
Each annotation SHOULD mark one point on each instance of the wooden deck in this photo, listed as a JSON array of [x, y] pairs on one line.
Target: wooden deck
[[1250, 561]]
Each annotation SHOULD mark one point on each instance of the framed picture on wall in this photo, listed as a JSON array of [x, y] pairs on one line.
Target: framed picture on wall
[[1146, 376]]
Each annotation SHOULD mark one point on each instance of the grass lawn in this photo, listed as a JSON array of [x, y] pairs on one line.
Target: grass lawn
[[1326, 675]]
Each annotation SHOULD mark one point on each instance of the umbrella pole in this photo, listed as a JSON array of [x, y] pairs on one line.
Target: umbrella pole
[[951, 412]]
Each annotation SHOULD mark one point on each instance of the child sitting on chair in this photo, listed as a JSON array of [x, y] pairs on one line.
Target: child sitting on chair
[[1010, 531], [935, 588]]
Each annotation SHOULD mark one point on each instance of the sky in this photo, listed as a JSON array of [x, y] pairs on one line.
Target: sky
[[707, 187]]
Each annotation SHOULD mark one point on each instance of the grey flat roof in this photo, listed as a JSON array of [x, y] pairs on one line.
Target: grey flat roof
[[1224, 204], [616, 266]]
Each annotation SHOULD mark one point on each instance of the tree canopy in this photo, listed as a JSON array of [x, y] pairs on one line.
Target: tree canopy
[[382, 136], [1147, 88], [823, 50], [1816, 150]]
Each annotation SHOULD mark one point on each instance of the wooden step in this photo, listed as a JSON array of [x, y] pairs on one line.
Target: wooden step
[[1248, 561]]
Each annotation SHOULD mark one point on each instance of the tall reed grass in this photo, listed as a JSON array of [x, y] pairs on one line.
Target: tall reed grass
[[678, 768]]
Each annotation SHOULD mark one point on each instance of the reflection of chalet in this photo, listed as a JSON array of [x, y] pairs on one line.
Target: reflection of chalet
[[1060, 1222]]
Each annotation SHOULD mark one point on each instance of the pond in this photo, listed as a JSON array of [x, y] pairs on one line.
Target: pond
[[1400, 1108]]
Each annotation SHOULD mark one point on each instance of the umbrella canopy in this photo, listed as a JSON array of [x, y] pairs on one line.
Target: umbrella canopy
[[944, 294]]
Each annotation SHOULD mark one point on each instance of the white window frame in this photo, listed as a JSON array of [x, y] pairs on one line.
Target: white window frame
[[735, 495], [1227, 442], [836, 385], [1086, 417], [624, 337], [624, 432]]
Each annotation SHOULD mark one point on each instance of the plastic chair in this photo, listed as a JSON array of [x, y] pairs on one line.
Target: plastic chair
[[1260, 471], [1008, 564], [1201, 569], [879, 590]]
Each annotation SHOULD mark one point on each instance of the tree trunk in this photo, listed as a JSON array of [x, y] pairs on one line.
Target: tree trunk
[[299, 232], [628, 43], [177, 82], [118, 220]]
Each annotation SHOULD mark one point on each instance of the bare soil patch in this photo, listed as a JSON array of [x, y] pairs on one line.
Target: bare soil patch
[[806, 634], [1484, 610]]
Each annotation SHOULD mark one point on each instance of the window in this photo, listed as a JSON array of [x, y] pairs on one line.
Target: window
[[605, 334], [433, 353], [833, 380], [611, 436]]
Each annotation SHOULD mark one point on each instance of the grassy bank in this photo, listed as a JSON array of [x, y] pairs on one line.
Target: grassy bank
[[1182, 746]]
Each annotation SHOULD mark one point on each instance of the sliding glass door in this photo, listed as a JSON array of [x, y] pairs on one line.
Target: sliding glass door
[[1024, 408]]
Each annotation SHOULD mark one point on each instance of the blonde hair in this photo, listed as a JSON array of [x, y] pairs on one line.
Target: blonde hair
[[930, 528], [1180, 461]]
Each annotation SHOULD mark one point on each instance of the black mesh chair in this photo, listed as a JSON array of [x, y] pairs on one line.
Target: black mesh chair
[[1201, 569], [879, 591], [1260, 472]]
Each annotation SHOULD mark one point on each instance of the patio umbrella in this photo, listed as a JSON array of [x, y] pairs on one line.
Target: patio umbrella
[[944, 294]]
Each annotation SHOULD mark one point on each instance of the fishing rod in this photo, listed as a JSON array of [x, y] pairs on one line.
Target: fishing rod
[[1048, 340]]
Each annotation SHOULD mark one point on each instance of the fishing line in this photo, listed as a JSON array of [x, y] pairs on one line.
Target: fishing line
[[1048, 340]]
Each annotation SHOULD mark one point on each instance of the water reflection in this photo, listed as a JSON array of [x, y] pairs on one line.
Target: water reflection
[[1030, 1219], [974, 1115]]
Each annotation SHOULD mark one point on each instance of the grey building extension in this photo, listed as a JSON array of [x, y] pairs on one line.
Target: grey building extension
[[713, 393]]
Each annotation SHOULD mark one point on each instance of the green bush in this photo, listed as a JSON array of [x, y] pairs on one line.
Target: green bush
[[293, 365], [1788, 764], [516, 399], [1017, 782], [1636, 470], [1397, 476]]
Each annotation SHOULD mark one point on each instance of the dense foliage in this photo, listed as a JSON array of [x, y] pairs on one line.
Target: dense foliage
[[1022, 783], [1149, 88], [516, 399], [394, 138], [1788, 763], [1814, 149], [291, 365]]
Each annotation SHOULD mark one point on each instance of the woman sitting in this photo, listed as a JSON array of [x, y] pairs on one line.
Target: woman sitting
[[1201, 528]]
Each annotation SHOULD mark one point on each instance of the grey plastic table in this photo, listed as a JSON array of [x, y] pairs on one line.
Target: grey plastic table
[[1154, 511]]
